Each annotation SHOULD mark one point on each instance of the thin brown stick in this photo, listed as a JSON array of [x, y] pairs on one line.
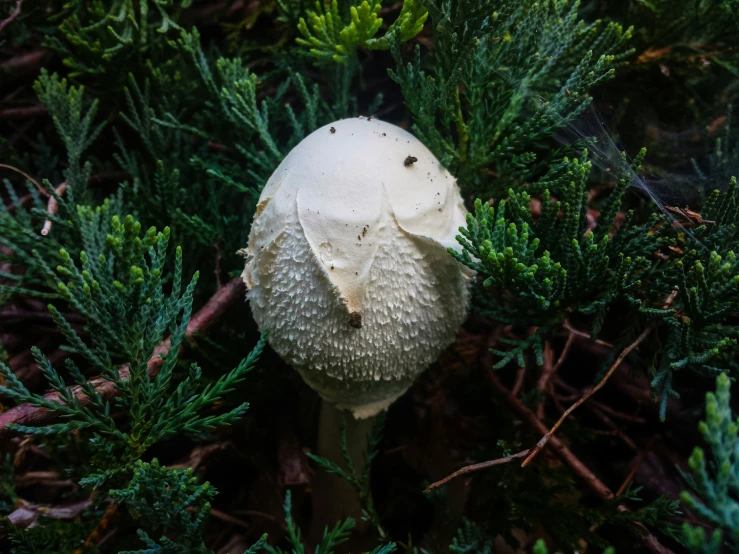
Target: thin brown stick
[[256, 513], [529, 417], [625, 483], [615, 429], [47, 478], [41, 189], [559, 448], [477, 467], [21, 113], [26, 513], [15, 13], [26, 414], [23, 63], [545, 439], [605, 408], [639, 461], [96, 534], [584, 335], [562, 357], [52, 207], [547, 368], [520, 377], [218, 514], [217, 269]]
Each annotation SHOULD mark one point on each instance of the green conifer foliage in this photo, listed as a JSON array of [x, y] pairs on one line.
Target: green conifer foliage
[[502, 81], [715, 481], [328, 38], [135, 139], [118, 289]]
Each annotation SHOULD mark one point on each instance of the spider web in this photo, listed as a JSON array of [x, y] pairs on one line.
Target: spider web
[[612, 161]]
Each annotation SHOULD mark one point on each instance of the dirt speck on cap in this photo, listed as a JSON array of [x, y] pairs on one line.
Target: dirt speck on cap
[[355, 320], [409, 161]]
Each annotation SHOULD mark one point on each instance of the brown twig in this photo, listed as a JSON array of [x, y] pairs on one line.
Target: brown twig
[[632, 418], [477, 467], [548, 367], [583, 335], [22, 63], [52, 207], [21, 113], [549, 370], [95, 535], [217, 269], [520, 377], [545, 439], [615, 429], [257, 513], [26, 414], [564, 453], [15, 13], [41, 189], [218, 514], [26, 513], [47, 478], [639, 461]]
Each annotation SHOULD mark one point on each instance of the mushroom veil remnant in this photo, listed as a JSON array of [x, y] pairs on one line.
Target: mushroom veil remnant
[[347, 262]]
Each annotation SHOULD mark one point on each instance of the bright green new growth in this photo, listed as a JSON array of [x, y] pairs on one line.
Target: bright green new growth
[[542, 269], [715, 481], [197, 133], [329, 38], [538, 270], [100, 35], [118, 288]]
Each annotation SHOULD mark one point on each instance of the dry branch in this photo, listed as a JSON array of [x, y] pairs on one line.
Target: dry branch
[[41, 189], [547, 437], [9, 114], [13, 14], [23, 63], [477, 467], [52, 208], [561, 450]]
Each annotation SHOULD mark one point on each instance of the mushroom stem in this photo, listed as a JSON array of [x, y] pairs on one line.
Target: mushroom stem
[[334, 499]]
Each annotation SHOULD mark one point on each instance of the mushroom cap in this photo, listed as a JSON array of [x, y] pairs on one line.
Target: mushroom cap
[[347, 262]]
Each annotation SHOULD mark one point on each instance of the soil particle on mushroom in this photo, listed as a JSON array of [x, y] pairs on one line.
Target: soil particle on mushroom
[[410, 160], [355, 320], [333, 130]]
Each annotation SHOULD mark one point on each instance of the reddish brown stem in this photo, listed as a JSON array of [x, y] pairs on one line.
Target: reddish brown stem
[[10, 114], [24, 62], [13, 14], [41, 189], [217, 269], [548, 436], [52, 207], [477, 467], [632, 418], [559, 448], [25, 414], [586, 336], [102, 525]]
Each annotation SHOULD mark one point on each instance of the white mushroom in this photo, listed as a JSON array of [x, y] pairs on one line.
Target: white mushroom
[[347, 263]]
